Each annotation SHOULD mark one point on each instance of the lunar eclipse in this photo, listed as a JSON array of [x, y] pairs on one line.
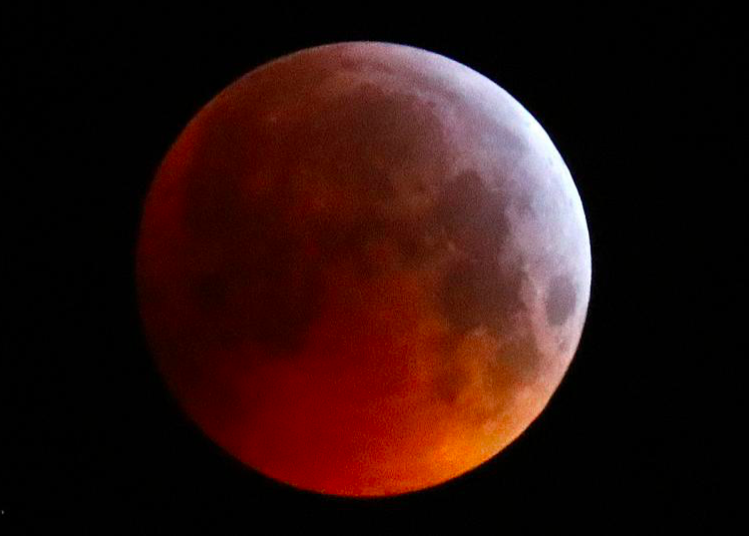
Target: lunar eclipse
[[363, 269]]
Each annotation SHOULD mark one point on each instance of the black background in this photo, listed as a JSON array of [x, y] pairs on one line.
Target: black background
[[641, 103]]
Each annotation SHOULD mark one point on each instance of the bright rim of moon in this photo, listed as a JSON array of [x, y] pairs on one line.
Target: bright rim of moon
[[363, 269]]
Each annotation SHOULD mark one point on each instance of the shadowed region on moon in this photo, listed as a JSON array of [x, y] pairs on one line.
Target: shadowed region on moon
[[560, 303], [346, 269], [270, 265], [475, 291]]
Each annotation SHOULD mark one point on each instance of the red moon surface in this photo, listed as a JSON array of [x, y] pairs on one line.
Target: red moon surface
[[363, 269]]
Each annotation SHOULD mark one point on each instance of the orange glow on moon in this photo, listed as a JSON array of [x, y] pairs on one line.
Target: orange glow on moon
[[363, 269]]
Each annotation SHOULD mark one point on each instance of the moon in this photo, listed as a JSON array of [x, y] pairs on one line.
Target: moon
[[363, 269]]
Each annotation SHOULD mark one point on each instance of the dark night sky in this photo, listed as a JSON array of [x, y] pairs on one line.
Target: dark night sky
[[640, 103]]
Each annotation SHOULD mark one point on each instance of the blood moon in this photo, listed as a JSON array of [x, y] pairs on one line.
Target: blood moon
[[363, 269]]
